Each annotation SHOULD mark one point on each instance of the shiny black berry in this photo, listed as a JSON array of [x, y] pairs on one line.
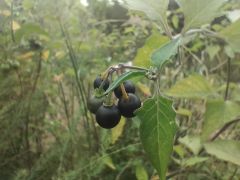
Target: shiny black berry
[[94, 103], [128, 106], [108, 116], [129, 88], [98, 81]]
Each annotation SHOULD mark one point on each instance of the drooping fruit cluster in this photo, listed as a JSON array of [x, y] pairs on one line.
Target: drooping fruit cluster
[[108, 114]]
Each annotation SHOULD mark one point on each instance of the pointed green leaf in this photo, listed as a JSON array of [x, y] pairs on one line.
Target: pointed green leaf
[[157, 131], [232, 35], [193, 161], [154, 9], [192, 142], [194, 86], [124, 77], [107, 160], [165, 52], [143, 54], [199, 12], [227, 150], [218, 113]]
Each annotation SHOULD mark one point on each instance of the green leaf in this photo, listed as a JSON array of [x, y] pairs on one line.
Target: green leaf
[[141, 173], [107, 160], [192, 142], [143, 54], [232, 35], [228, 150], [194, 86], [218, 113], [117, 131], [165, 52], [199, 12], [193, 161], [28, 30], [124, 77], [157, 131], [154, 9]]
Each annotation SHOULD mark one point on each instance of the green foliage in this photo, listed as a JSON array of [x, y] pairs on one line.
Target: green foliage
[[123, 77], [218, 113], [155, 10], [199, 12], [49, 57], [231, 35], [194, 86], [157, 131], [165, 52], [227, 150], [143, 55]]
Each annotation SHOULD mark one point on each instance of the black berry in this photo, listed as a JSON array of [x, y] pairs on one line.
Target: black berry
[[108, 116], [94, 103], [128, 106], [129, 88], [98, 81]]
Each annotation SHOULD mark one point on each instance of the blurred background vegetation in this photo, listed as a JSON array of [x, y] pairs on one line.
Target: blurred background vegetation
[[50, 53]]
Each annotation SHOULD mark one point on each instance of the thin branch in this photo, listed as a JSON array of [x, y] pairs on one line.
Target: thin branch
[[122, 171], [79, 85], [218, 66], [193, 55], [228, 78], [64, 103], [224, 128]]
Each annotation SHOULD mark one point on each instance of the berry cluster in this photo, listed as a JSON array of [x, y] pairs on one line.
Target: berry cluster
[[108, 114]]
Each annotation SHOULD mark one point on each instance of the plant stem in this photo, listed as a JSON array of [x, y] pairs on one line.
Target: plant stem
[[39, 67], [123, 66], [12, 32], [124, 93], [79, 85], [228, 78], [224, 128], [65, 104]]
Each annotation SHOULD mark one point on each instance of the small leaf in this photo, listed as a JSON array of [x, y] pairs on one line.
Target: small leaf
[[199, 12], [192, 142], [143, 54], [124, 77], [194, 86], [218, 113], [107, 160], [227, 150], [141, 173], [164, 53], [117, 131], [157, 131], [232, 35], [193, 161], [179, 149]]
